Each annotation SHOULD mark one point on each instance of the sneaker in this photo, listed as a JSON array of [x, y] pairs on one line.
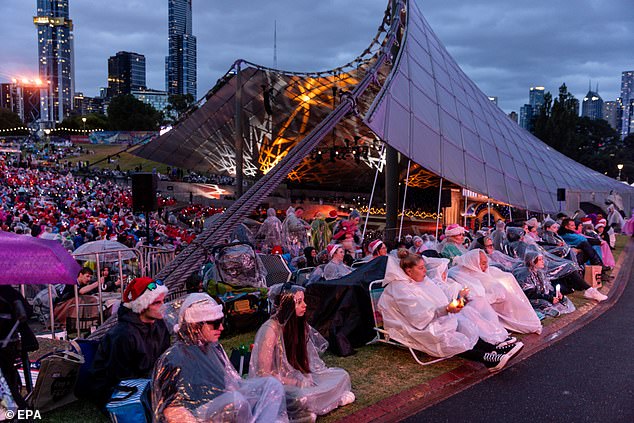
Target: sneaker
[[509, 350], [347, 398], [594, 294], [494, 361], [508, 341]]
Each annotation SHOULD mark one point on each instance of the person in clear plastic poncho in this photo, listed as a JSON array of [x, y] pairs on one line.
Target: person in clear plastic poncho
[[499, 288], [538, 287], [287, 348], [194, 381], [436, 317], [294, 233], [270, 232]]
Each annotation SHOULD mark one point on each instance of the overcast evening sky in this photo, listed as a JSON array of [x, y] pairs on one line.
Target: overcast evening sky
[[504, 46]]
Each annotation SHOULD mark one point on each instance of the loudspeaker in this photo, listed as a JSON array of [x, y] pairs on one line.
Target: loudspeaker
[[561, 194], [144, 192], [445, 198]]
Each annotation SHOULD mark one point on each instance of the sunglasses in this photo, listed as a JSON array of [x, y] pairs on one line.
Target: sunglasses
[[215, 323], [153, 285]]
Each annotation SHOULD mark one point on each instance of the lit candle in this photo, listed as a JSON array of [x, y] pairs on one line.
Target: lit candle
[[558, 289], [454, 303]]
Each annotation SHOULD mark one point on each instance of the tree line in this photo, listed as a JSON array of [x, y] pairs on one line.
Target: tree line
[[591, 142]]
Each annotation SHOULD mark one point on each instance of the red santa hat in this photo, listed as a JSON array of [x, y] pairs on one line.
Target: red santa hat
[[332, 249], [142, 292], [375, 245], [454, 229]]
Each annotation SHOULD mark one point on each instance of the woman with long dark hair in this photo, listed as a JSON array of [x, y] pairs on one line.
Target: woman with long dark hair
[[287, 348]]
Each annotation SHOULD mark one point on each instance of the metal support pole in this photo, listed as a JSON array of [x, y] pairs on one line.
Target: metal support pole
[[391, 193], [466, 201], [51, 312], [438, 210], [99, 289], [510, 214], [121, 287], [76, 312], [239, 142], [488, 213], [400, 228], [376, 176]]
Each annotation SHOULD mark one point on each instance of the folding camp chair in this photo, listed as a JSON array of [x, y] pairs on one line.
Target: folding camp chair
[[277, 270], [301, 275], [376, 289]]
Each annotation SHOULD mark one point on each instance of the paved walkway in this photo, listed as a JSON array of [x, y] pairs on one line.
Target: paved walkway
[[579, 369]]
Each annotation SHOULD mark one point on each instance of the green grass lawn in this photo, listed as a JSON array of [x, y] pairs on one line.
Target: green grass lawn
[[377, 371], [126, 161]]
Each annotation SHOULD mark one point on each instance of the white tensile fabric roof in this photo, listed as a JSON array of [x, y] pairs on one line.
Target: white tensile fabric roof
[[434, 114]]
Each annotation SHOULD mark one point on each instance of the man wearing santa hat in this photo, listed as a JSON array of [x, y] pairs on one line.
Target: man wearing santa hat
[[131, 348]]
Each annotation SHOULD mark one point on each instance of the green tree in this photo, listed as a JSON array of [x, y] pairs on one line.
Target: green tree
[[179, 104], [9, 119], [126, 113], [93, 121]]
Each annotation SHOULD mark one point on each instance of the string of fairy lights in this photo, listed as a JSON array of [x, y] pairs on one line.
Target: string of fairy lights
[[24, 128]]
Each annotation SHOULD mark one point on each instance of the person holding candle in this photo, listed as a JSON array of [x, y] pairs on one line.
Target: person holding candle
[[499, 288], [288, 349], [419, 314], [538, 287]]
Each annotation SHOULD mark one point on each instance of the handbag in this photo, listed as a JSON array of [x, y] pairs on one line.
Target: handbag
[[130, 402], [56, 381]]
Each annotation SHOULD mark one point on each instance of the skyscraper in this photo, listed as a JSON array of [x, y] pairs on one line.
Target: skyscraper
[[592, 105], [55, 52], [526, 117], [612, 114], [126, 73], [180, 64], [627, 97], [536, 98]]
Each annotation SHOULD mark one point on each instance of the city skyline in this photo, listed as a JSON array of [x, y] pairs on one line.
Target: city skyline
[[504, 50]]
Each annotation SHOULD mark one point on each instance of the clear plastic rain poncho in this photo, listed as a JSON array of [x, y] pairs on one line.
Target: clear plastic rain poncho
[[477, 310], [195, 379], [294, 235], [499, 288], [318, 391], [539, 288], [556, 267], [270, 232], [238, 265], [414, 314]]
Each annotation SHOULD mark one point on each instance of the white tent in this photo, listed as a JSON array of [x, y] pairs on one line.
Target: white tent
[[434, 114]]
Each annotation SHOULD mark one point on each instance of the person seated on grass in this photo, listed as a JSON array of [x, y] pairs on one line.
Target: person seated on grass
[[336, 268], [452, 246], [477, 310], [130, 349], [582, 245], [499, 288], [288, 349], [194, 381], [418, 313], [538, 287]]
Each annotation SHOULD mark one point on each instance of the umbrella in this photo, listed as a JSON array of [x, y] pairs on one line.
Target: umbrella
[[108, 251], [35, 261]]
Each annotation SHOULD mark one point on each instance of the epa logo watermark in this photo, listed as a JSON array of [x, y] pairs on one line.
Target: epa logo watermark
[[23, 414]]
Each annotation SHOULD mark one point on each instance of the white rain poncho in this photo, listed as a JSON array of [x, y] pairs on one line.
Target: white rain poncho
[[334, 270], [196, 378], [319, 391], [500, 289], [414, 314], [477, 310], [294, 233], [270, 232]]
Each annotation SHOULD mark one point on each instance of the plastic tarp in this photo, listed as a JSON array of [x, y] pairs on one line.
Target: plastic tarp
[[341, 310], [431, 111]]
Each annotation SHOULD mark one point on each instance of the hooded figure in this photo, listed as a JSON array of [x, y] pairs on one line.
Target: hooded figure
[[538, 287], [288, 349], [320, 232], [499, 288], [270, 232], [294, 235], [195, 381]]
